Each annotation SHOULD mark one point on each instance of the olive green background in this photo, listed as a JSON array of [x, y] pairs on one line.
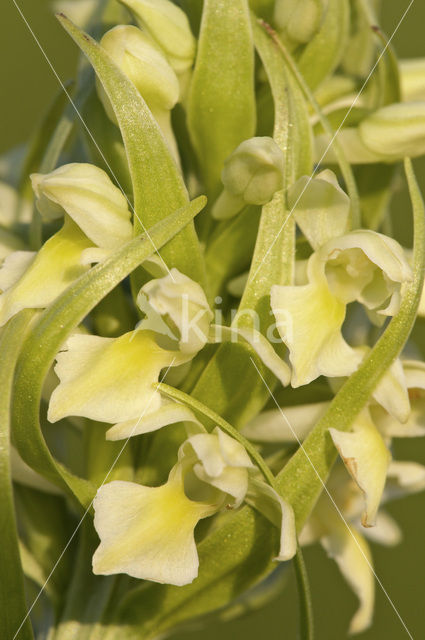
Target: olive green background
[[27, 85]]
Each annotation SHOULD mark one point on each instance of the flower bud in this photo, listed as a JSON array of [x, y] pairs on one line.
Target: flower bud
[[143, 63], [252, 174], [396, 131], [169, 27], [299, 20]]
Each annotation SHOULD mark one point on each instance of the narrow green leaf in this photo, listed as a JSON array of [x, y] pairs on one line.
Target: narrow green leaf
[[230, 249], [386, 84], [12, 596], [217, 420], [53, 328], [158, 187], [38, 147], [221, 107], [323, 53], [346, 170], [230, 383], [274, 255], [112, 156]]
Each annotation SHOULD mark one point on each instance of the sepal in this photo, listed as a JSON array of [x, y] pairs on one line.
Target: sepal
[[321, 208], [33, 281], [88, 196], [367, 459], [109, 379], [309, 320], [144, 64], [183, 306], [169, 27]]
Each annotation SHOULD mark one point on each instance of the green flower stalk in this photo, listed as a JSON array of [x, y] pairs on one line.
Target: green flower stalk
[[190, 444]]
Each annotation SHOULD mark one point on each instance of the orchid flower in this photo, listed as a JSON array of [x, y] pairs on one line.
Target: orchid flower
[[96, 221], [362, 266], [148, 532]]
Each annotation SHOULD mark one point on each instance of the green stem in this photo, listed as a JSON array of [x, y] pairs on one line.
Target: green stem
[[344, 165], [304, 591], [199, 407]]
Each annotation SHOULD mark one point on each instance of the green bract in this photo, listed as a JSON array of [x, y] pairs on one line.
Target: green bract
[[188, 400]]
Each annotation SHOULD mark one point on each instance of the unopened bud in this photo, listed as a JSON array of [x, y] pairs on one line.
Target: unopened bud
[[143, 63], [396, 131], [298, 20], [252, 174], [168, 25]]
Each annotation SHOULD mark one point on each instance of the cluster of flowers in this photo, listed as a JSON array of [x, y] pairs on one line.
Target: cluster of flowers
[[148, 532]]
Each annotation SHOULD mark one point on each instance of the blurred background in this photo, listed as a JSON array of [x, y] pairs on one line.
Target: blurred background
[[27, 87]]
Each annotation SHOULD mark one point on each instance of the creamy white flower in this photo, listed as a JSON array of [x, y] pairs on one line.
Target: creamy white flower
[[148, 532]]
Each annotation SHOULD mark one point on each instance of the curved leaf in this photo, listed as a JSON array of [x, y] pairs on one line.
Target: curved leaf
[[51, 331], [274, 254], [323, 53], [158, 187]]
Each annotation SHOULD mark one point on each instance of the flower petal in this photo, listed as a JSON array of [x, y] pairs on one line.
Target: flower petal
[[393, 426], [321, 208], [50, 272], [109, 379], [366, 266], [259, 344], [404, 478], [147, 532], [231, 481], [14, 267], [168, 413], [366, 458], [386, 531], [271, 426], [183, 303], [88, 196], [309, 320], [391, 393], [352, 554], [280, 513]]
